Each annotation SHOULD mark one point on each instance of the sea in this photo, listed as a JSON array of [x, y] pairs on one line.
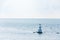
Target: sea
[[26, 29]]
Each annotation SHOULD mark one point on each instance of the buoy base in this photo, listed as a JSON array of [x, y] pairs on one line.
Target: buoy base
[[39, 32]]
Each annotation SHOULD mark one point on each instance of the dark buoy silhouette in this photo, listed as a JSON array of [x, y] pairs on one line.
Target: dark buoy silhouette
[[39, 30]]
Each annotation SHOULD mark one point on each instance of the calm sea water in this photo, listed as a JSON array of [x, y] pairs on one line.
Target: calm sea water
[[22, 29]]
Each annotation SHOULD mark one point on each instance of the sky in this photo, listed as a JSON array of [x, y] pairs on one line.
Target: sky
[[29, 8]]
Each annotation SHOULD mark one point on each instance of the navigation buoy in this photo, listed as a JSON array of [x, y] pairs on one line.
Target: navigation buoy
[[39, 30]]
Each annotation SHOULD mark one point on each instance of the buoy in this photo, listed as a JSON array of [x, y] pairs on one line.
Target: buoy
[[39, 30]]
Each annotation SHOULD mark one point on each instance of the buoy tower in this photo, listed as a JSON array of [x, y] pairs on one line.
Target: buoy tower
[[39, 30]]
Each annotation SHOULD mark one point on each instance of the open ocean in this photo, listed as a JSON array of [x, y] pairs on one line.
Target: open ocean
[[22, 29]]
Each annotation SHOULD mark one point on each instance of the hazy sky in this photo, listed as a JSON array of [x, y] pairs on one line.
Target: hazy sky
[[29, 8]]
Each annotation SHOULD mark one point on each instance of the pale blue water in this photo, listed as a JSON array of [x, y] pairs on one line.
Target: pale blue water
[[22, 29]]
